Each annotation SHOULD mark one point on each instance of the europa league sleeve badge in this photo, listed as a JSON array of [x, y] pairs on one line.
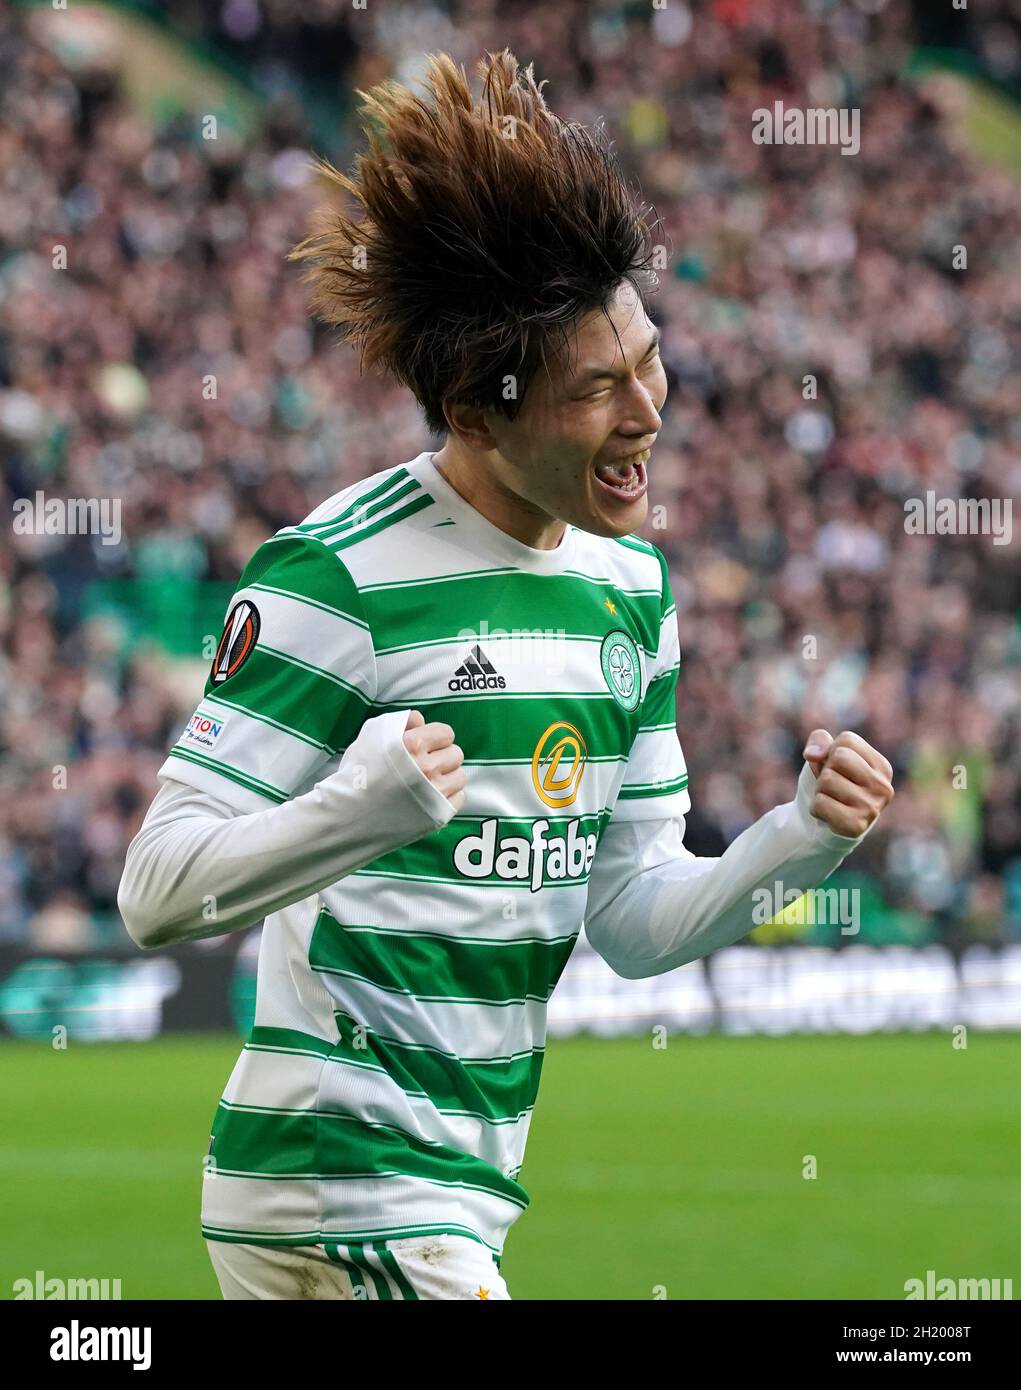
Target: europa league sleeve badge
[[240, 634]]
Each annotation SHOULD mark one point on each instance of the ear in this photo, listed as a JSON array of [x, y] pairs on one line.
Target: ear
[[470, 424]]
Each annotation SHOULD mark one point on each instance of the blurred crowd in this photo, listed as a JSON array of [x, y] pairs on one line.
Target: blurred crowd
[[841, 335]]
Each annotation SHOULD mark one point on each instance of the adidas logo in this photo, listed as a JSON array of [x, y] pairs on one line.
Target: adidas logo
[[476, 672]]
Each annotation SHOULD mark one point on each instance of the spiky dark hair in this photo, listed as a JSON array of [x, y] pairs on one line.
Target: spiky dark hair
[[486, 230]]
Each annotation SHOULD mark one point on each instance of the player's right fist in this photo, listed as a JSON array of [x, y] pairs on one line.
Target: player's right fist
[[432, 746]]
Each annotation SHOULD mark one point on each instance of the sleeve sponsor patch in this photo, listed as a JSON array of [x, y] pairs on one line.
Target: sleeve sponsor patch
[[202, 729]]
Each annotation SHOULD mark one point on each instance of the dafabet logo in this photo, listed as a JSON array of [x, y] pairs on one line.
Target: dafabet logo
[[557, 764]]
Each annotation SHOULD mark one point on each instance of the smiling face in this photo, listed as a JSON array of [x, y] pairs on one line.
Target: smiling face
[[578, 449]]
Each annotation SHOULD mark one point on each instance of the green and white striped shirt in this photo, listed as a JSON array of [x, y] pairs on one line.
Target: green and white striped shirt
[[388, 1084]]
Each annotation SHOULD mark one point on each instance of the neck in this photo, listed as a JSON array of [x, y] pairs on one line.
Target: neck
[[476, 477]]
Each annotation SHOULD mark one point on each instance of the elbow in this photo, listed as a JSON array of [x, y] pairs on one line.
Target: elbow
[[606, 945], [629, 968], [138, 923], [628, 964], [139, 911]]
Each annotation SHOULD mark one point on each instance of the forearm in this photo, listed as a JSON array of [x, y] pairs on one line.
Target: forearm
[[647, 918], [191, 875]]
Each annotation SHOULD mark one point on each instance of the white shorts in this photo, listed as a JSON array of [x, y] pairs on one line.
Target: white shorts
[[440, 1266]]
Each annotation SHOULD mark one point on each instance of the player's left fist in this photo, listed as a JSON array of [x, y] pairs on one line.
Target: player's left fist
[[854, 783]]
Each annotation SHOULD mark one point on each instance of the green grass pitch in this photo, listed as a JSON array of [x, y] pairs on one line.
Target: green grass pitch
[[654, 1172]]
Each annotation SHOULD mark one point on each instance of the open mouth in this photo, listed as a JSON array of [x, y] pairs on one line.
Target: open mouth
[[626, 479]]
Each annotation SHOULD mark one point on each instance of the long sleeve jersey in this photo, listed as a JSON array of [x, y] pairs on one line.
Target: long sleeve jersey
[[409, 952]]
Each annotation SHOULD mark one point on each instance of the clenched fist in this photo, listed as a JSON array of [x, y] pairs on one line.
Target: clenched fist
[[853, 782], [433, 748]]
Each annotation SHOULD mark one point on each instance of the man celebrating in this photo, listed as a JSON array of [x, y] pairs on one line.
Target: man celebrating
[[439, 729]]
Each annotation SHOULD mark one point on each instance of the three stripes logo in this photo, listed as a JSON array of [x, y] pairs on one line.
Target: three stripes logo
[[476, 672], [240, 634]]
